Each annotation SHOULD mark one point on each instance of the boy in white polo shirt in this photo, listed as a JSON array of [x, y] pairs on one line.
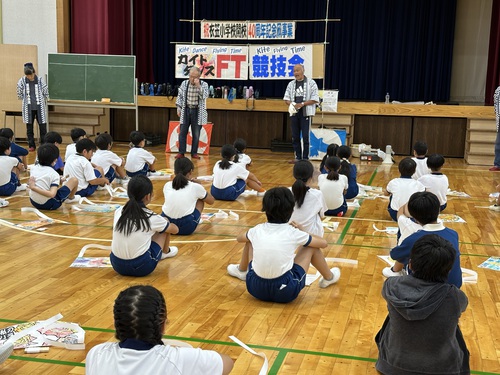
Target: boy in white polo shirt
[[45, 193], [400, 189], [436, 182], [9, 171], [79, 166], [139, 161], [111, 164]]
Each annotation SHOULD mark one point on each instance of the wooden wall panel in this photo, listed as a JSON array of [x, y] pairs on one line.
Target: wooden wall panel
[[445, 136], [380, 131]]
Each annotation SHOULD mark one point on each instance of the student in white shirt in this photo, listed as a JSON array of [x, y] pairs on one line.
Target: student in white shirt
[[334, 186], [310, 205], [140, 235], [277, 254], [45, 193], [184, 198], [9, 171], [436, 182], [241, 146], [420, 158], [140, 316], [76, 134], [139, 161], [111, 164], [400, 189], [230, 178], [79, 166]]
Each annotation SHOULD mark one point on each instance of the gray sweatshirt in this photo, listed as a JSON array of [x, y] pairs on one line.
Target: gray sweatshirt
[[421, 334]]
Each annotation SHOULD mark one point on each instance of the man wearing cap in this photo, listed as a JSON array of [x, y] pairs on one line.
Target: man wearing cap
[[33, 91]]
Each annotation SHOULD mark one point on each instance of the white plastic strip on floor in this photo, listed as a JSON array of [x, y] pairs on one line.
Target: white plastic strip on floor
[[265, 365]]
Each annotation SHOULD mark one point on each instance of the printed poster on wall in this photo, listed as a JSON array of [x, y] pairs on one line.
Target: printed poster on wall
[[215, 62], [277, 61], [330, 100]]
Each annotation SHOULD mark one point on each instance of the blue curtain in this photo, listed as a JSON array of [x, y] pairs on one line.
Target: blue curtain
[[401, 47]]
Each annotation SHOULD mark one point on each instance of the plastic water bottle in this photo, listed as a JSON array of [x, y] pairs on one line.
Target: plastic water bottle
[[387, 98], [250, 91], [245, 92]]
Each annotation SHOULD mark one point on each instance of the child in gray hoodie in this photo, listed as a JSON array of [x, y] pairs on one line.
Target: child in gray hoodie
[[421, 333]]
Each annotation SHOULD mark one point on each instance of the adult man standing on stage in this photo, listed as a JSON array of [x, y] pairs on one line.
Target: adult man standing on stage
[[192, 109], [302, 93]]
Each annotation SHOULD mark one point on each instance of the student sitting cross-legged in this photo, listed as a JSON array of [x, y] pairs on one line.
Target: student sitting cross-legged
[[45, 193], [421, 334], [277, 254]]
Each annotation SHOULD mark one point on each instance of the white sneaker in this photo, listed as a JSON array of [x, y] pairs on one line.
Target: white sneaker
[[388, 272], [154, 173], [22, 187], [494, 207], [261, 193], [3, 203], [323, 283], [75, 199], [122, 181], [172, 252], [5, 351], [234, 271]]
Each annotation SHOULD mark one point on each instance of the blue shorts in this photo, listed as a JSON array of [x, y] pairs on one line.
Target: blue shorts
[[143, 171], [111, 174], [56, 202], [90, 189], [392, 213], [186, 224], [230, 193], [282, 289], [140, 266], [10, 187], [338, 211]]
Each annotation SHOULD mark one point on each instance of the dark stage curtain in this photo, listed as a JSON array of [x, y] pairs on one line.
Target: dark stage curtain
[[143, 40], [101, 27], [493, 73], [401, 47]]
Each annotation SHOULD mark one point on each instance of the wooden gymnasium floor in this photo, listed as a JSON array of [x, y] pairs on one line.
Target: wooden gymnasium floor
[[325, 331]]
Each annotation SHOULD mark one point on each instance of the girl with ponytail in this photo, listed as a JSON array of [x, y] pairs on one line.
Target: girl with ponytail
[[184, 198], [230, 178], [333, 186], [140, 314], [349, 170], [310, 205], [140, 235]]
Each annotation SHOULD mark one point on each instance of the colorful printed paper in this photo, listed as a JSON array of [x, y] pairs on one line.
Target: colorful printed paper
[[492, 263]]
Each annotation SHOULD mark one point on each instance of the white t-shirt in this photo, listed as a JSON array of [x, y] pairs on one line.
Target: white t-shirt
[[139, 241], [224, 178], [422, 168], [244, 159], [333, 191], [406, 227], [401, 190], [109, 358], [45, 178], [80, 167], [274, 248], [136, 158], [182, 202], [70, 150], [6, 165], [310, 214], [105, 159], [437, 184]]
